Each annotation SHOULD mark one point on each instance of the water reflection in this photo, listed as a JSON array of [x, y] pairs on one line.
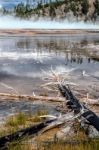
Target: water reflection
[[28, 55], [25, 106], [22, 60]]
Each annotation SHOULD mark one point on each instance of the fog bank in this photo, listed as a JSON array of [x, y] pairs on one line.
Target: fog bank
[[10, 22]]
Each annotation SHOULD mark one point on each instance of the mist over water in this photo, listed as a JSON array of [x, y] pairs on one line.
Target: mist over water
[[24, 62], [10, 22]]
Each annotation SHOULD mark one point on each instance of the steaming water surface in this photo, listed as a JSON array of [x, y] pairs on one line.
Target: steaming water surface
[[11, 22], [22, 60]]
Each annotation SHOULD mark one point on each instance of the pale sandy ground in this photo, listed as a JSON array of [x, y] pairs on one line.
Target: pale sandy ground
[[31, 32]]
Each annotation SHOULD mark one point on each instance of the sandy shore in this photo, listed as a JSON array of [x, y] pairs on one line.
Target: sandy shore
[[35, 32]]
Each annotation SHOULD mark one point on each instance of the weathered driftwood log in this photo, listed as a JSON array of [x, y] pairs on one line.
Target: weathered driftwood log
[[37, 129], [78, 107], [32, 98], [91, 101], [30, 131], [44, 98], [59, 120]]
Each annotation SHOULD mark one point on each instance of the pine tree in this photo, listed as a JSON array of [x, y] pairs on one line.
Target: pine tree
[[85, 7], [96, 4]]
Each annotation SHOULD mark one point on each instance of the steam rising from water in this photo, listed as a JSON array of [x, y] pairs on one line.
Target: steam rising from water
[[26, 55], [9, 22]]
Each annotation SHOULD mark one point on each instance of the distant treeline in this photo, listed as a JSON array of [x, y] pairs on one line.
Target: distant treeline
[[80, 9]]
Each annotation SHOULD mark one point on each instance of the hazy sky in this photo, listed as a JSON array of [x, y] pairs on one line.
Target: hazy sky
[[12, 3]]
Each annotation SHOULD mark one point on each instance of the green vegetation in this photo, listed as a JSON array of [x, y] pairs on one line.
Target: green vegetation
[[17, 120], [56, 145], [96, 4], [20, 145], [85, 7], [60, 145], [21, 120], [78, 142], [59, 8], [93, 145], [23, 11]]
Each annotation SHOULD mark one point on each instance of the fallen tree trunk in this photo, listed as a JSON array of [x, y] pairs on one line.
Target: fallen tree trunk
[[32, 98], [91, 101], [74, 104], [44, 98], [31, 131], [35, 130]]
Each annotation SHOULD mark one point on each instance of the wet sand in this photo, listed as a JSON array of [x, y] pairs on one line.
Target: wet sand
[[46, 32]]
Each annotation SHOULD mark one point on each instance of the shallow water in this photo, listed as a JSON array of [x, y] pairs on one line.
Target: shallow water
[[7, 109], [22, 60], [25, 57]]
